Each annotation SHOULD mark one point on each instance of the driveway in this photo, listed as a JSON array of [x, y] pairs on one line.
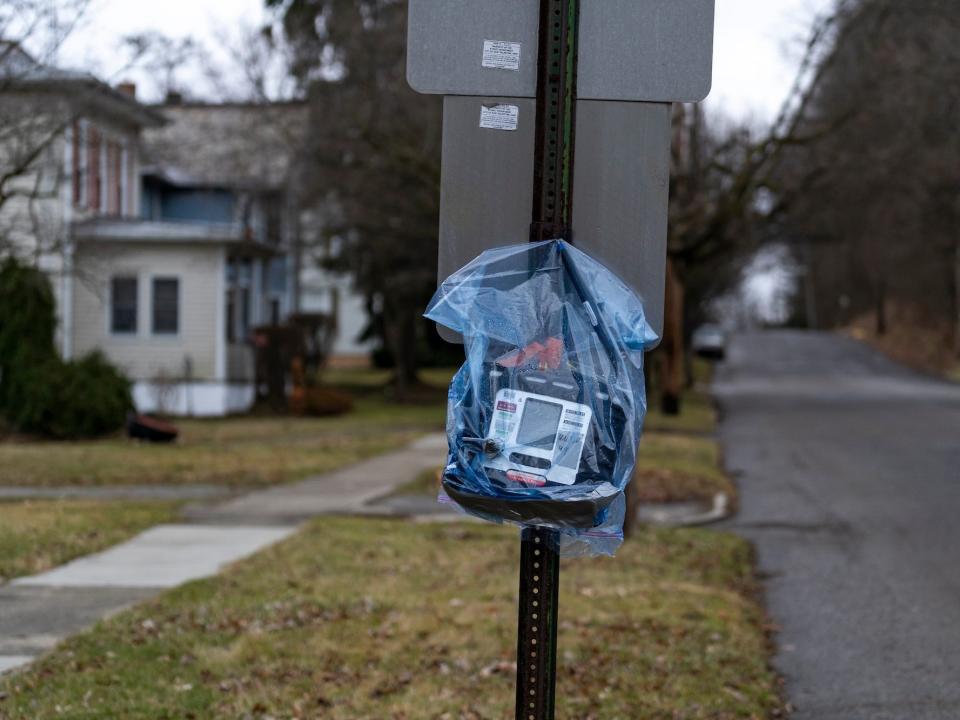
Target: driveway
[[849, 469]]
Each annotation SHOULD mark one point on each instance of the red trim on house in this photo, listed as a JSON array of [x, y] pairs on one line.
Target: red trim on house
[[77, 167], [93, 169]]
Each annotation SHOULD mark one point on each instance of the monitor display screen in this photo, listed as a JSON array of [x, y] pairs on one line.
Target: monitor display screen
[[538, 427]]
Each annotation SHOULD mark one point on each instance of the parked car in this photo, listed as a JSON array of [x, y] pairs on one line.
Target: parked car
[[710, 341]]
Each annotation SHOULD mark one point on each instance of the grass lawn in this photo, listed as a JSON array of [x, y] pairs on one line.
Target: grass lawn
[[356, 618], [249, 451], [676, 467], [426, 483], [672, 467], [679, 459], [256, 451], [38, 535], [954, 373], [697, 415]]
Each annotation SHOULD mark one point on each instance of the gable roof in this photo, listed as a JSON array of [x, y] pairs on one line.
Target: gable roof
[[253, 145], [20, 72]]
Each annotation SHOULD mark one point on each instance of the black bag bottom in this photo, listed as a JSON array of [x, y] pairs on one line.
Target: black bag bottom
[[582, 513]]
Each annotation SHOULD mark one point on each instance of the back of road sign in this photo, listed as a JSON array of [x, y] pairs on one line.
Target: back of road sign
[[629, 50], [620, 187], [635, 58]]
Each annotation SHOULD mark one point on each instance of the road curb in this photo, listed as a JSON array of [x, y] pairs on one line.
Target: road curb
[[676, 515]]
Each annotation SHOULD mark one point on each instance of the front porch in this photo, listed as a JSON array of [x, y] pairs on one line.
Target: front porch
[[173, 304]]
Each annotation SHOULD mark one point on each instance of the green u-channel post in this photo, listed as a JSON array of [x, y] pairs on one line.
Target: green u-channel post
[[552, 213]]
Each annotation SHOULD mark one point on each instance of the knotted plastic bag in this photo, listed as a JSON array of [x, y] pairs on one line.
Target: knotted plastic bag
[[544, 417]]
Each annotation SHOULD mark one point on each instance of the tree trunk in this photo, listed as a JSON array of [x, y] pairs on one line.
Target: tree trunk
[[401, 332], [671, 368], [632, 495], [956, 299], [882, 308]]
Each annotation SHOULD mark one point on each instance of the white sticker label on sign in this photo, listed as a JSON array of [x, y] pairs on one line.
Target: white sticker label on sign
[[499, 117], [501, 55]]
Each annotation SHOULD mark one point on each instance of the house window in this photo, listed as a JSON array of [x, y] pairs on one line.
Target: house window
[[123, 305], [166, 306], [231, 317], [238, 314]]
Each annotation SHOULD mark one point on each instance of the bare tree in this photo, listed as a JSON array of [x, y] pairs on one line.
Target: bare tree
[[726, 199], [163, 57], [878, 221], [32, 120], [374, 162], [246, 63]]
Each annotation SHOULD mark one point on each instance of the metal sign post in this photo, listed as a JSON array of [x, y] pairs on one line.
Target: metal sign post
[[537, 624], [552, 219], [608, 70]]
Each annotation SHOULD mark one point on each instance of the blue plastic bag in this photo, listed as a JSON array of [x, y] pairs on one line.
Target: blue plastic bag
[[544, 417]]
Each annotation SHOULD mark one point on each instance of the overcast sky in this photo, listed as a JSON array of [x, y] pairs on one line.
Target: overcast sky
[[755, 54]]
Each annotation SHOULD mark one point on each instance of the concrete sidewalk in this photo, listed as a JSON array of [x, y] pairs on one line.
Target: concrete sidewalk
[[162, 557], [38, 611], [117, 492], [343, 492]]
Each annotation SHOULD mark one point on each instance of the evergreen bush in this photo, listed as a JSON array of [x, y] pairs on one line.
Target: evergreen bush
[[39, 392]]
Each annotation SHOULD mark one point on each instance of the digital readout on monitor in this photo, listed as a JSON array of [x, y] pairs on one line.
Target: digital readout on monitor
[[538, 427]]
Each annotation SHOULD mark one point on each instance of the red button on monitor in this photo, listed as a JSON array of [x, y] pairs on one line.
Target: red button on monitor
[[526, 478]]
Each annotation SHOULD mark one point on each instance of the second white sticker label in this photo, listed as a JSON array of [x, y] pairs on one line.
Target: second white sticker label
[[499, 117], [501, 55]]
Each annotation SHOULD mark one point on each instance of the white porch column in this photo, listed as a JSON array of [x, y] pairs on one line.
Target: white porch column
[[220, 341]]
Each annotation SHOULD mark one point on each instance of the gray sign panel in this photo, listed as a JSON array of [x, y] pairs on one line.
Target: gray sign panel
[[621, 188], [445, 46], [631, 50]]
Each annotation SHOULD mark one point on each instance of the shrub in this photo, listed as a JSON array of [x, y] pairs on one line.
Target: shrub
[[27, 323], [93, 398], [39, 392], [27, 310]]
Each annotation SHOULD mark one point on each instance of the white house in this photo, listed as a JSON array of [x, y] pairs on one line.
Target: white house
[[169, 232], [165, 275]]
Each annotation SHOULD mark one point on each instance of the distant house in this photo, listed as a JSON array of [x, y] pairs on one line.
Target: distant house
[[169, 232], [215, 160], [220, 178]]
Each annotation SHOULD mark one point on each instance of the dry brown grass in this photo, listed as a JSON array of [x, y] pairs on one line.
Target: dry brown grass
[[357, 619], [911, 339]]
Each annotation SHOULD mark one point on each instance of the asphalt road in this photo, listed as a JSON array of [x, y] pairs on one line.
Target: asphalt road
[[849, 470]]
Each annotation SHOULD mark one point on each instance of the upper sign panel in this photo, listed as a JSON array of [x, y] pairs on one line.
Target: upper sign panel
[[630, 50], [447, 43]]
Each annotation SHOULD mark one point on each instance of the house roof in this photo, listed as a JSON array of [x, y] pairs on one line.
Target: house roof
[[20, 72], [120, 230], [227, 145]]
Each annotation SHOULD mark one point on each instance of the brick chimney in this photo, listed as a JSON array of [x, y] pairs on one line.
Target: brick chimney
[[129, 89]]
